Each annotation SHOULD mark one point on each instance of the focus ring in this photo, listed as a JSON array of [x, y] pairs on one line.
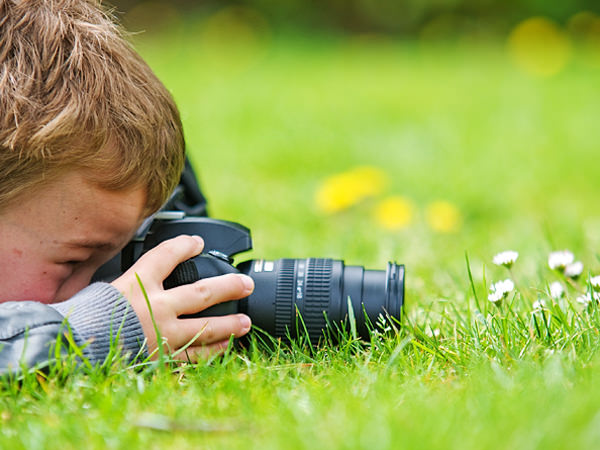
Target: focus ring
[[318, 295], [284, 313]]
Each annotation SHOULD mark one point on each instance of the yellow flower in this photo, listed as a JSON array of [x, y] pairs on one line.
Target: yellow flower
[[394, 212], [443, 217], [344, 190], [232, 39], [539, 47], [585, 28]]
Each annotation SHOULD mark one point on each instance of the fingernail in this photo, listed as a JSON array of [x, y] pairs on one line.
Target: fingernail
[[198, 239], [245, 322], [248, 283]]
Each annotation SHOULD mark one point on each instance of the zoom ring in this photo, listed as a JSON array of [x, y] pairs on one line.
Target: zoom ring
[[318, 295], [284, 313]]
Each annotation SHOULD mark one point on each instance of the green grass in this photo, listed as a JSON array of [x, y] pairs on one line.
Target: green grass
[[266, 124]]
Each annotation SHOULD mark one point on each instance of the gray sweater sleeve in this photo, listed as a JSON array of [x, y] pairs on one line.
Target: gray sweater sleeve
[[99, 315], [96, 316]]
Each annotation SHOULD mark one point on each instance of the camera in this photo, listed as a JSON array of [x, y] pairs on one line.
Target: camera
[[291, 296]]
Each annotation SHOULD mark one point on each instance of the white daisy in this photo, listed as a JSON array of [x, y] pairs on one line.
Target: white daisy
[[538, 305], [556, 290], [595, 282], [560, 259], [499, 290], [504, 286], [573, 270], [433, 332], [586, 299], [495, 297], [506, 259]]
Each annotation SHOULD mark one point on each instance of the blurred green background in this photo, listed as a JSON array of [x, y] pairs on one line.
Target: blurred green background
[[439, 18], [378, 130]]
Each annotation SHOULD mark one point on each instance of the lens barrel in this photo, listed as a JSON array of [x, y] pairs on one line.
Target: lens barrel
[[294, 296], [291, 295]]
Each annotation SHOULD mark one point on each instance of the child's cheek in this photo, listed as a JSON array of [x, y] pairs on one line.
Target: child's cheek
[[38, 283], [42, 291], [78, 280], [44, 288], [39, 293]]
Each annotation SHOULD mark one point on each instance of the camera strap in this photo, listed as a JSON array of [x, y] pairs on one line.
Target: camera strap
[[188, 196]]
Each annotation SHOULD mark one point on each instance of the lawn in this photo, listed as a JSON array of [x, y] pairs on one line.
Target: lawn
[[477, 157]]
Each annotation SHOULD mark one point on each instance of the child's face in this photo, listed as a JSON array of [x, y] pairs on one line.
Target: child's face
[[53, 240]]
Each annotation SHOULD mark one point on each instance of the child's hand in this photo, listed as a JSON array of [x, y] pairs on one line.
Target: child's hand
[[213, 332]]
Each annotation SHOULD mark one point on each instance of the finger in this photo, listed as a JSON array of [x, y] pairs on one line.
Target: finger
[[210, 330], [195, 297], [202, 352], [159, 262]]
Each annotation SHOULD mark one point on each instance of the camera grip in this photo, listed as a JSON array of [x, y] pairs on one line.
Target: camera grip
[[198, 268]]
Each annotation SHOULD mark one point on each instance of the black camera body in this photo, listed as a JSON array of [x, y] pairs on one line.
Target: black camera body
[[291, 296]]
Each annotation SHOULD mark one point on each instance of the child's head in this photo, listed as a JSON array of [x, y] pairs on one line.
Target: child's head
[[90, 143], [75, 96]]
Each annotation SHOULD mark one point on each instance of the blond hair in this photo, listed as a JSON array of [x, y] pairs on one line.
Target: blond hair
[[75, 95]]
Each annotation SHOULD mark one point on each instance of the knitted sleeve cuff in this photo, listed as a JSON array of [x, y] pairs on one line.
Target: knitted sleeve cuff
[[100, 315]]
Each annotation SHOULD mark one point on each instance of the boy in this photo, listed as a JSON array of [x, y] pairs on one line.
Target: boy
[[90, 144]]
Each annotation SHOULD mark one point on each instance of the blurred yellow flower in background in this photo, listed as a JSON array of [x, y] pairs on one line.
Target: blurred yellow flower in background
[[395, 212], [392, 212], [341, 191], [443, 217], [234, 37], [585, 25], [539, 47], [585, 29]]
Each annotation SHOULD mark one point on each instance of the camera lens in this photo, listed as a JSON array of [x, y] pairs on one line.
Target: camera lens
[[319, 290]]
